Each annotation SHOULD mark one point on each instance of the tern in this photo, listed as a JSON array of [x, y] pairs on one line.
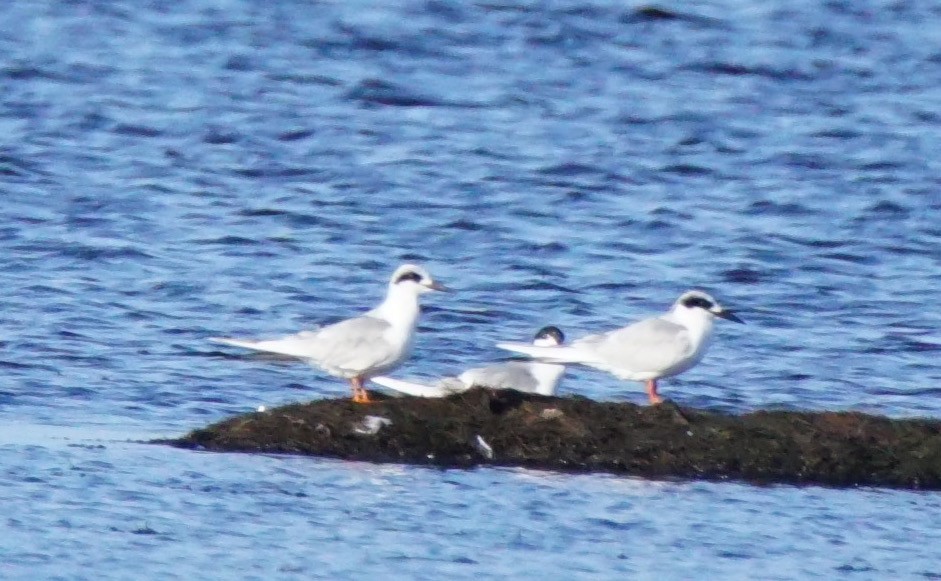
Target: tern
[[647, 350], [362, 347], [525, 376]]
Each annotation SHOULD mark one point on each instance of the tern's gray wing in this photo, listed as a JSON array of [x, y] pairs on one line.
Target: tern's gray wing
[[510, 375], [354, 346], [647, 346]]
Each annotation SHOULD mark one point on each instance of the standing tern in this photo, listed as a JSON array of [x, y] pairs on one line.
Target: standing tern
[[359, 348], [524, 376], [647, 350]]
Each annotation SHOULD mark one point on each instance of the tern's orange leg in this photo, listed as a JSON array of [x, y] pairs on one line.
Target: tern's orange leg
[[355, 390], [652, 392], [359, 392]]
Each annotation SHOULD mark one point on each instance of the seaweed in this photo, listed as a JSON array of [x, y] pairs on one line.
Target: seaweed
[[507, 428]]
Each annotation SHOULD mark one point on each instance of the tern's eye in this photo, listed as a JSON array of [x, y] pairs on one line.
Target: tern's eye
[[698, 302], [411, 275]]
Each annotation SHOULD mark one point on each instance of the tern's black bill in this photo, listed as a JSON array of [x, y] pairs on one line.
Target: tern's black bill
[[439, 287], [729, 316]]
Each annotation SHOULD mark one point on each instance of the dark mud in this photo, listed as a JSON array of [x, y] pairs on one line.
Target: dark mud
[[505, 428]]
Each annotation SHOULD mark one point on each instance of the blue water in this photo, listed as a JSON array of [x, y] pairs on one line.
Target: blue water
[[171, 171]]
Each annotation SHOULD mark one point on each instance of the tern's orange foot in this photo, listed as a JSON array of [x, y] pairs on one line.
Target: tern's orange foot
[[360, 396]]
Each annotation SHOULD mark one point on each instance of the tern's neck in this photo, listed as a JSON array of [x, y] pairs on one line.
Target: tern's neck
[[399, 308], [697, 321]]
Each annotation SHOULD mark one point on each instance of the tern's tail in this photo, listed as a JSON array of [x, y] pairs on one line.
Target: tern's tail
[[289, 347], [246, 343], [417, 389], [549, 354]]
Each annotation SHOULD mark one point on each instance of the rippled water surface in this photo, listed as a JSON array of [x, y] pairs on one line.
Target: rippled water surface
[[171, 171]]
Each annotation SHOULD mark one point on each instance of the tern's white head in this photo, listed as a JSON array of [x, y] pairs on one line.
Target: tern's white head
[[415, 279], [696, 304], [548, 337]]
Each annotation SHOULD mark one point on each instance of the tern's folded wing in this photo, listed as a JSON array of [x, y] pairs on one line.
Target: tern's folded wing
[[650, 345], [352, 345], [412, 388], [553, 353], [355, 345], [511, 375], [298, 345]]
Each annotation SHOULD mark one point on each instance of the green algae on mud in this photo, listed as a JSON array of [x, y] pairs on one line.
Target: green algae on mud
[[506, 428]]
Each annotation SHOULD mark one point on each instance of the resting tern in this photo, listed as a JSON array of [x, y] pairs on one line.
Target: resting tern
[[524, 376]]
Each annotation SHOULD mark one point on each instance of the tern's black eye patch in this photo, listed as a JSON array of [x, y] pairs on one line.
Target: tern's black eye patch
[[551, 333], [698, 302], [410, 275]]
